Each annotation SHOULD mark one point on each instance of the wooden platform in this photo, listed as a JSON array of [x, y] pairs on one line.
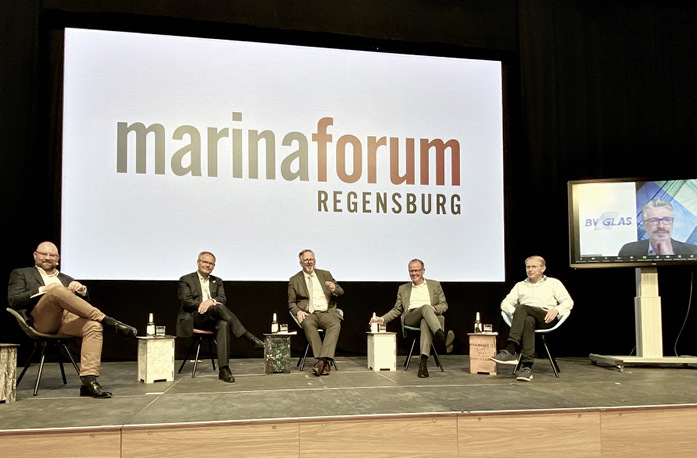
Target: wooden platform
[[589, 411]]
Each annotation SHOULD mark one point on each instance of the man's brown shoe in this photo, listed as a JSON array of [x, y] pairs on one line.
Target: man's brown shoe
[[318, 368], [326, 369]]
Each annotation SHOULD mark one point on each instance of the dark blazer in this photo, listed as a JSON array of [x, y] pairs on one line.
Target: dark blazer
[[190, 296], [24, 283], [299, 298], [435, 291], [641, 248]]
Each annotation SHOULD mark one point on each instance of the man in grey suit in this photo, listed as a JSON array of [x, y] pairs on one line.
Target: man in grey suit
[[312, 297], [422, 304], [657, 216], [202, 305], [53, 302]]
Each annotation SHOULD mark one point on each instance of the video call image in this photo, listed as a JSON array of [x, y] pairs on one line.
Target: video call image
[[636, 219]]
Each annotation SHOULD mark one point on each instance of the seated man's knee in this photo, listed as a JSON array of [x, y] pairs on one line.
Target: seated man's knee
[[308, 324], [92, 327], [58, 291]]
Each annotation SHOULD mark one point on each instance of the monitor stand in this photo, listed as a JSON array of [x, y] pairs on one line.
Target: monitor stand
[[649, 329]]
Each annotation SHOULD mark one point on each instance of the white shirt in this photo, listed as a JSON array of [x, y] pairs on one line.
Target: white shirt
[[419, 296], [50, 279], [547, 292], [205, 286], [318, 301]]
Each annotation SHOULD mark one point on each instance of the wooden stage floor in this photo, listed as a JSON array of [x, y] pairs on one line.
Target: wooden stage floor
[[355, 410]]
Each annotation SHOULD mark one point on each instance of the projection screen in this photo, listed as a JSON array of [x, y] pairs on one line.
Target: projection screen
[[254, 151]]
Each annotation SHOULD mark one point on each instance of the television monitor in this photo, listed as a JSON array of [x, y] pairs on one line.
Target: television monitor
[[630, 222]]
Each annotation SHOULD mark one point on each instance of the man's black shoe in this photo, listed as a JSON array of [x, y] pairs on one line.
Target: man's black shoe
[[258, 344], [423, 368], [125, 330], [225, 375], [91, 387]]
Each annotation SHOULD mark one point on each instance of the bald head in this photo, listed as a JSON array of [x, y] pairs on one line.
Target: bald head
[[46, 256]]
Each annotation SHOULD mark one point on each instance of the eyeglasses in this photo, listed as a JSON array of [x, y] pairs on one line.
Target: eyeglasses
[[47, 255], [206, 263], [667, 220], [413, 271]]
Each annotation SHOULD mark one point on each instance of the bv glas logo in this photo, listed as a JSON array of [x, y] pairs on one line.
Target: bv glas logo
[[355, 158], [608, 220]]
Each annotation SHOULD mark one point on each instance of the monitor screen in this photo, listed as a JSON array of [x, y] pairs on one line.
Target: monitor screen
[[173, 145], [632, 222]]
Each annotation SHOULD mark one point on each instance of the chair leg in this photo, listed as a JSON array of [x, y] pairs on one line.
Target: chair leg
[[72, 360], [198, 350], [26, 366], [186, 357], [411, 351], [436, 358], [333, 363], [552, 361], [301, 361], [60, 364], [516, 368], [210, 350], [41, 367]]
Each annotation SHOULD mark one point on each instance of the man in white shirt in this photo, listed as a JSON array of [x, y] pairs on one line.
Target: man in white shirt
[[534, 303], [53, 302], [421, 304], [312, 295]]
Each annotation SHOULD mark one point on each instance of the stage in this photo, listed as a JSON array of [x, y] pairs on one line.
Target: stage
[[589, 411]]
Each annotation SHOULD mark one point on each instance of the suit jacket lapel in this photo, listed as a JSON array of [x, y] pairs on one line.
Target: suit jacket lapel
[[197, 285], [303, 283], [431, 293], [213, 286], [407, 296], [37, 276]]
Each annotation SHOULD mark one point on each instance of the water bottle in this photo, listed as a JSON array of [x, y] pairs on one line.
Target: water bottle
[[274, 324], [374, 324], [150, 329]]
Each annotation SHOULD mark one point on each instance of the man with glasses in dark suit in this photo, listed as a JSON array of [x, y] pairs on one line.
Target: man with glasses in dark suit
[[657, 215], [53, 302]]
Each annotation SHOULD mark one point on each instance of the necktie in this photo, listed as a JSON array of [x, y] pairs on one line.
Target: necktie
[[310, 294]]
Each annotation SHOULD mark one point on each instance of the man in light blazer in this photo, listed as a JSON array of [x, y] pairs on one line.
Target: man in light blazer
[[312, 297], [53, 302], [202, 305], [421, 303]]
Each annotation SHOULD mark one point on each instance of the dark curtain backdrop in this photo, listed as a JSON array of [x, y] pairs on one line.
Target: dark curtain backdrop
[[594, 88]]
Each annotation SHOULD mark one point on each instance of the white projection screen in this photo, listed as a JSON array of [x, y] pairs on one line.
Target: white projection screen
[[254, 151]]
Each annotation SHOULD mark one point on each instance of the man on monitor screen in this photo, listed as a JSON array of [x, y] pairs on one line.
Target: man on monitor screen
[[658, 222], [534, 303]]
